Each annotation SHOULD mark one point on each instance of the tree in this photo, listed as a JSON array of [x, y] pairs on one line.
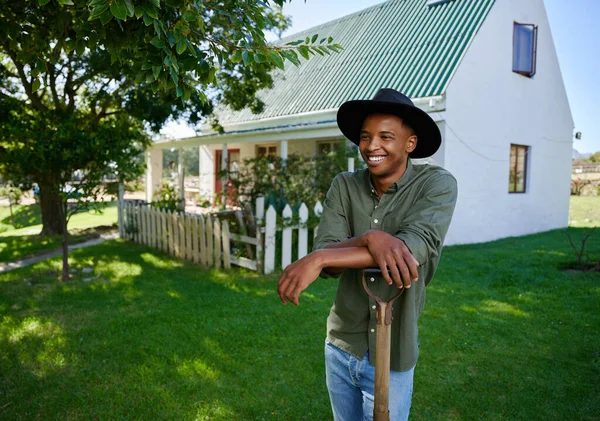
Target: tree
[[82, 82], [595, 157], [149, 60]]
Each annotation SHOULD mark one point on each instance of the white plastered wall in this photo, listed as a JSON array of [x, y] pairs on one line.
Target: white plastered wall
[[488, 107]]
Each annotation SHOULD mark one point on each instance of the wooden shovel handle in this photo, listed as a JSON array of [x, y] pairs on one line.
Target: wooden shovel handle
[[375, 272], [382, 348]]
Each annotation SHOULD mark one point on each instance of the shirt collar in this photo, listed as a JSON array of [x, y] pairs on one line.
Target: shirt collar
[[397, 184]]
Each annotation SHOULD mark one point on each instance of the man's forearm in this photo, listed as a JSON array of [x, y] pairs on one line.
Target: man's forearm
[[354, 242], [335, 260], [359, 241]]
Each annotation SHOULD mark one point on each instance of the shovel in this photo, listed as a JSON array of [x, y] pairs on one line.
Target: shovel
[[383, 334]]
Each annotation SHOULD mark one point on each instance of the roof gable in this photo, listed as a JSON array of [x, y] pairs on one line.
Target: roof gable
[[401, 44]]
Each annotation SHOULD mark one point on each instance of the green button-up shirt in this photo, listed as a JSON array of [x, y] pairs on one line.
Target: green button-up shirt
[[417, 209]]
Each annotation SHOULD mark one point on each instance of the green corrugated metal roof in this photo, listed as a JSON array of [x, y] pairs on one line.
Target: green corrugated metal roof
[[400, 44]]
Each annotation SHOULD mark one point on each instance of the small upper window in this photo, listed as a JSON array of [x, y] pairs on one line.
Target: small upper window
[[524, 48], [517, 178]]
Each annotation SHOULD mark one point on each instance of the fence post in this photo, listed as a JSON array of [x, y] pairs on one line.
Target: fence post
[[175, 234], [217, 236], [138, 219], [270, 230], [209, 240], [202, 240], [259, 218], [121, 211], [180, 218], [134, 225], [148, 229], [169, 221], [226, 246], [163, 231], [142, 225], [286, 238], [154, 239], [188, 237], [318, 210], [351, 164], [125, 221], [302, 232], [195, 242]]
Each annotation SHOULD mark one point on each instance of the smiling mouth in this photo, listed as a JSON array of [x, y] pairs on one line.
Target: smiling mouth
[[376, 159]]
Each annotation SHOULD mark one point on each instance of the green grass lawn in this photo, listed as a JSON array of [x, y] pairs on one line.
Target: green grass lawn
[[584, 211], [24, 241], [506, 335], [28, 219]]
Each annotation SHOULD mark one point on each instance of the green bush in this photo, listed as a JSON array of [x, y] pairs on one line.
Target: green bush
[[12, 193], [298, 180], [166, 198]]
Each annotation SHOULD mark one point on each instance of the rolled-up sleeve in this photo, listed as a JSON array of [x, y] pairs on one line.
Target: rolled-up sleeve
[[333, 225], [425, 226]]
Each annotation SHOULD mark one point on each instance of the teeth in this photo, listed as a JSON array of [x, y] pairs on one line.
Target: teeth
[[376, 158]]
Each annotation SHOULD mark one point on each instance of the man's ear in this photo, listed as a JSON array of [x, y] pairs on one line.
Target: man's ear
[[411, 143]]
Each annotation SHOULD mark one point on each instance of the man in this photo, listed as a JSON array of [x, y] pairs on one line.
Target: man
[[393, 215]]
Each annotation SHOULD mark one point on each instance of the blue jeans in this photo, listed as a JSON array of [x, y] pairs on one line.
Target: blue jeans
[[350, 382]]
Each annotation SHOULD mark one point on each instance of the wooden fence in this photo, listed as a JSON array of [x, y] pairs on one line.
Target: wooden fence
[[207, 240]]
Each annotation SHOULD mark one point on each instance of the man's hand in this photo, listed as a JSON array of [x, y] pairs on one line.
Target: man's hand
[[297, 277], [391, 254]]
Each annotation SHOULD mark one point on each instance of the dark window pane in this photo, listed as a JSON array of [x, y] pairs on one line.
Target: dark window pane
[[524, 39]]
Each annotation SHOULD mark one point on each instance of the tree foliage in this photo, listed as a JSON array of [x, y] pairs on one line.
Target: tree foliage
[[595, 157], [82, 82]]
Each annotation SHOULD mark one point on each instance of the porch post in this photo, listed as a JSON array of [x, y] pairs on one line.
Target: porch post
[[180, 175], [153, 172], [199, 170], [284, 151], [224, 160]]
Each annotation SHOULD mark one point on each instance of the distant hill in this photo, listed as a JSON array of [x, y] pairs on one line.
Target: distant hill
[[577, 155]]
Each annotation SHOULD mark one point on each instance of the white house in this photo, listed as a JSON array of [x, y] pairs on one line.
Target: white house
[[485, 70]]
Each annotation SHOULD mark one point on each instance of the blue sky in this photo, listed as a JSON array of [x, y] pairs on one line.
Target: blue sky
[[575, 26]]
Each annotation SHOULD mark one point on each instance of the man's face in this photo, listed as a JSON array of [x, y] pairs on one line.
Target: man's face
[[385, 144]]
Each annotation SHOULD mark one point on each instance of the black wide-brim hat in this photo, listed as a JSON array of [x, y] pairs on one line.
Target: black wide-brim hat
[[351, 115]]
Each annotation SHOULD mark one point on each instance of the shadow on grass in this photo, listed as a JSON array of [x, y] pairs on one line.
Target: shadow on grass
[[505, 336], [158, 339], [24, 216]]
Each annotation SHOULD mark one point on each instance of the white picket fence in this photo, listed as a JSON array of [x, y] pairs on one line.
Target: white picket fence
[[206, 240]]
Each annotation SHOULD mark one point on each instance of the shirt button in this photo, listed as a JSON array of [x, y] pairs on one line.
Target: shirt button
[[374, 307], [372, 330], [375, 206], [376, 220], [372, 279]]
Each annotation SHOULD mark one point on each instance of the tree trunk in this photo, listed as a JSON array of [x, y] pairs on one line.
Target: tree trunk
[[65, 242], [50, 204]]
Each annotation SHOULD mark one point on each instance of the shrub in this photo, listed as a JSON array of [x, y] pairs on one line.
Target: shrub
[[578, 185], [298, 180], [166, 198]]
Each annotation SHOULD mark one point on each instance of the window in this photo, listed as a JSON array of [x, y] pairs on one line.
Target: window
[[517, 179], [524, 49], [266, 150], [325, 148]]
